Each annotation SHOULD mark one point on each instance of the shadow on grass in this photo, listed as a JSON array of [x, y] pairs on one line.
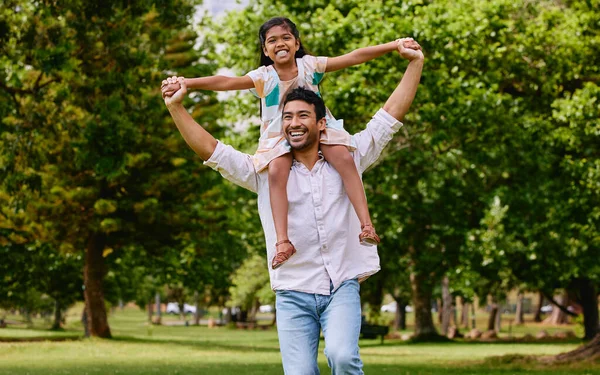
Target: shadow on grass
[[274, 368], [196, 344], [40, 338], [392, 342]]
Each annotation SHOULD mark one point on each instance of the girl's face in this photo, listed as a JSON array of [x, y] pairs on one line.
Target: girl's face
[[280, 45]]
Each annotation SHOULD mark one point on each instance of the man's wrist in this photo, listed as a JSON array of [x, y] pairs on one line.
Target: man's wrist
[[174, 106], [417, 59]]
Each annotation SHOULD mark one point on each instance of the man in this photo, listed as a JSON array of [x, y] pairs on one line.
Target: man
[[318, 288]]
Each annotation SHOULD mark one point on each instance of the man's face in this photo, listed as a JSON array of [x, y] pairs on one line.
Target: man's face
[[300, 125]]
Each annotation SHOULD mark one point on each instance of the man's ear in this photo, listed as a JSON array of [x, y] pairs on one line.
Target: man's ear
[[322, 124]]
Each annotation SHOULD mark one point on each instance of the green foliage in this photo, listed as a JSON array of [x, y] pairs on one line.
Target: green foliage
[[250, 284]]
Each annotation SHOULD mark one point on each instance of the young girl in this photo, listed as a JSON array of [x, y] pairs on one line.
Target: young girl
[[285, 65]]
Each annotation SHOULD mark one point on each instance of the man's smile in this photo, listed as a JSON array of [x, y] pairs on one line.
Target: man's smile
[[296, 133]]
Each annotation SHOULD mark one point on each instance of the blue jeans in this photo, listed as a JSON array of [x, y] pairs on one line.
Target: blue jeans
[[300, 318]]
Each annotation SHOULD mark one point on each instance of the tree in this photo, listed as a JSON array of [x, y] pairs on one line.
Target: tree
[[507, 108], [251, 287], [87, 149]]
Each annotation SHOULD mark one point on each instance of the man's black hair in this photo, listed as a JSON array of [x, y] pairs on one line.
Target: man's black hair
[[307, 96]]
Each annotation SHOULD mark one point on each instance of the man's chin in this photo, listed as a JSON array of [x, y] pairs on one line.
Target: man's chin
[[298, 146]]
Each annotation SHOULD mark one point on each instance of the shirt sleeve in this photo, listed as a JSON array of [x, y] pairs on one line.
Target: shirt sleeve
[[371, 141], [264, 79], [315, 68], [235, 166]]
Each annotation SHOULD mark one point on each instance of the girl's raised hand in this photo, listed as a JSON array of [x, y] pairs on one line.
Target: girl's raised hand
[[409, 49]]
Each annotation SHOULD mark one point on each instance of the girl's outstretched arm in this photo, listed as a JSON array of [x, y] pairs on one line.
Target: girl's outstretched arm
[[213, 83], [359, 56]]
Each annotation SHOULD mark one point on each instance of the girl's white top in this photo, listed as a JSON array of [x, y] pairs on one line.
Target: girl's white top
[[272, 91]]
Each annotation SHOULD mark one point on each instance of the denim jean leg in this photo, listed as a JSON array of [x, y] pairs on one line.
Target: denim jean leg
[[298, 330], [341, 327]]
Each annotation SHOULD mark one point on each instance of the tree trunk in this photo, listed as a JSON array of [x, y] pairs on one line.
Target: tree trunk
[[558, 316], [446, 305], [157, 305], [57, 316], [498, 326], [473, 317], [519, 313], [589, 303], [538, 312], [84, 323], [493, 313], [421, 294], [588, 352], [400, 315], [228, 316], [464, 316], [197, 305], [150, 311], [181, 310], [93, 276]]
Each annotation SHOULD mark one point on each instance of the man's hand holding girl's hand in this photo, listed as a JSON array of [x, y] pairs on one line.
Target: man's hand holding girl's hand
[[176, 97], [168, 89], [409, 49]]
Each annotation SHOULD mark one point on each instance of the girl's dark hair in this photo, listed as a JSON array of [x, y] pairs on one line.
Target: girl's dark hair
[[262, 35]]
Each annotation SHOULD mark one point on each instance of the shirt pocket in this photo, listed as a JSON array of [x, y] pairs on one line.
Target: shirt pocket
[[335, 186]]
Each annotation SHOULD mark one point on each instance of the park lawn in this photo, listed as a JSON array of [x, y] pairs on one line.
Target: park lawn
[[142, 349]]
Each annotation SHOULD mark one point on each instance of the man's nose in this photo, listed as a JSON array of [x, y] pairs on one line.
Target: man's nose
[[295, 121]]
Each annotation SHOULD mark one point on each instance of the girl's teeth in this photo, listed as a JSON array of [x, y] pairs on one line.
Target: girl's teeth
[[281, 53]]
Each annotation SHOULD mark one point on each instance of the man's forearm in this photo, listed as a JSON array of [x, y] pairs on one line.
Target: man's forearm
[[201, 141], [399, 102]]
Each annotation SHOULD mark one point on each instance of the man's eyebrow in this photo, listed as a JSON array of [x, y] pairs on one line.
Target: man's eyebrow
[[302, 111]]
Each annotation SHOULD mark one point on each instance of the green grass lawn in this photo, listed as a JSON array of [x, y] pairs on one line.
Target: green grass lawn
[[142, 349]]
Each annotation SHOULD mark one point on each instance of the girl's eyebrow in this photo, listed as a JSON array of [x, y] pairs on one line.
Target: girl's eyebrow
[[284, 34]]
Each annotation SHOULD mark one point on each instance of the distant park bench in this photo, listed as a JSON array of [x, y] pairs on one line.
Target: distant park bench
[[371, 331]]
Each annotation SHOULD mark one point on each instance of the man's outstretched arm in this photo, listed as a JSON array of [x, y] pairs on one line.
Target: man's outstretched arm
[[399, 102], [201, 141], [380, 130]]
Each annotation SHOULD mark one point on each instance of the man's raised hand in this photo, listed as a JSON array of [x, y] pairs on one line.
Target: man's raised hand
[[177, 96], [409, 49]]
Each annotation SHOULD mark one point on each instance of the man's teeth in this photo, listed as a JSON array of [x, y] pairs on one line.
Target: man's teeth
[[281, 53], [296, 134]]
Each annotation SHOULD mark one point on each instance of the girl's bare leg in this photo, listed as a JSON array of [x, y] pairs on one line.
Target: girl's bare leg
[[279, 172], [342, 161]]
